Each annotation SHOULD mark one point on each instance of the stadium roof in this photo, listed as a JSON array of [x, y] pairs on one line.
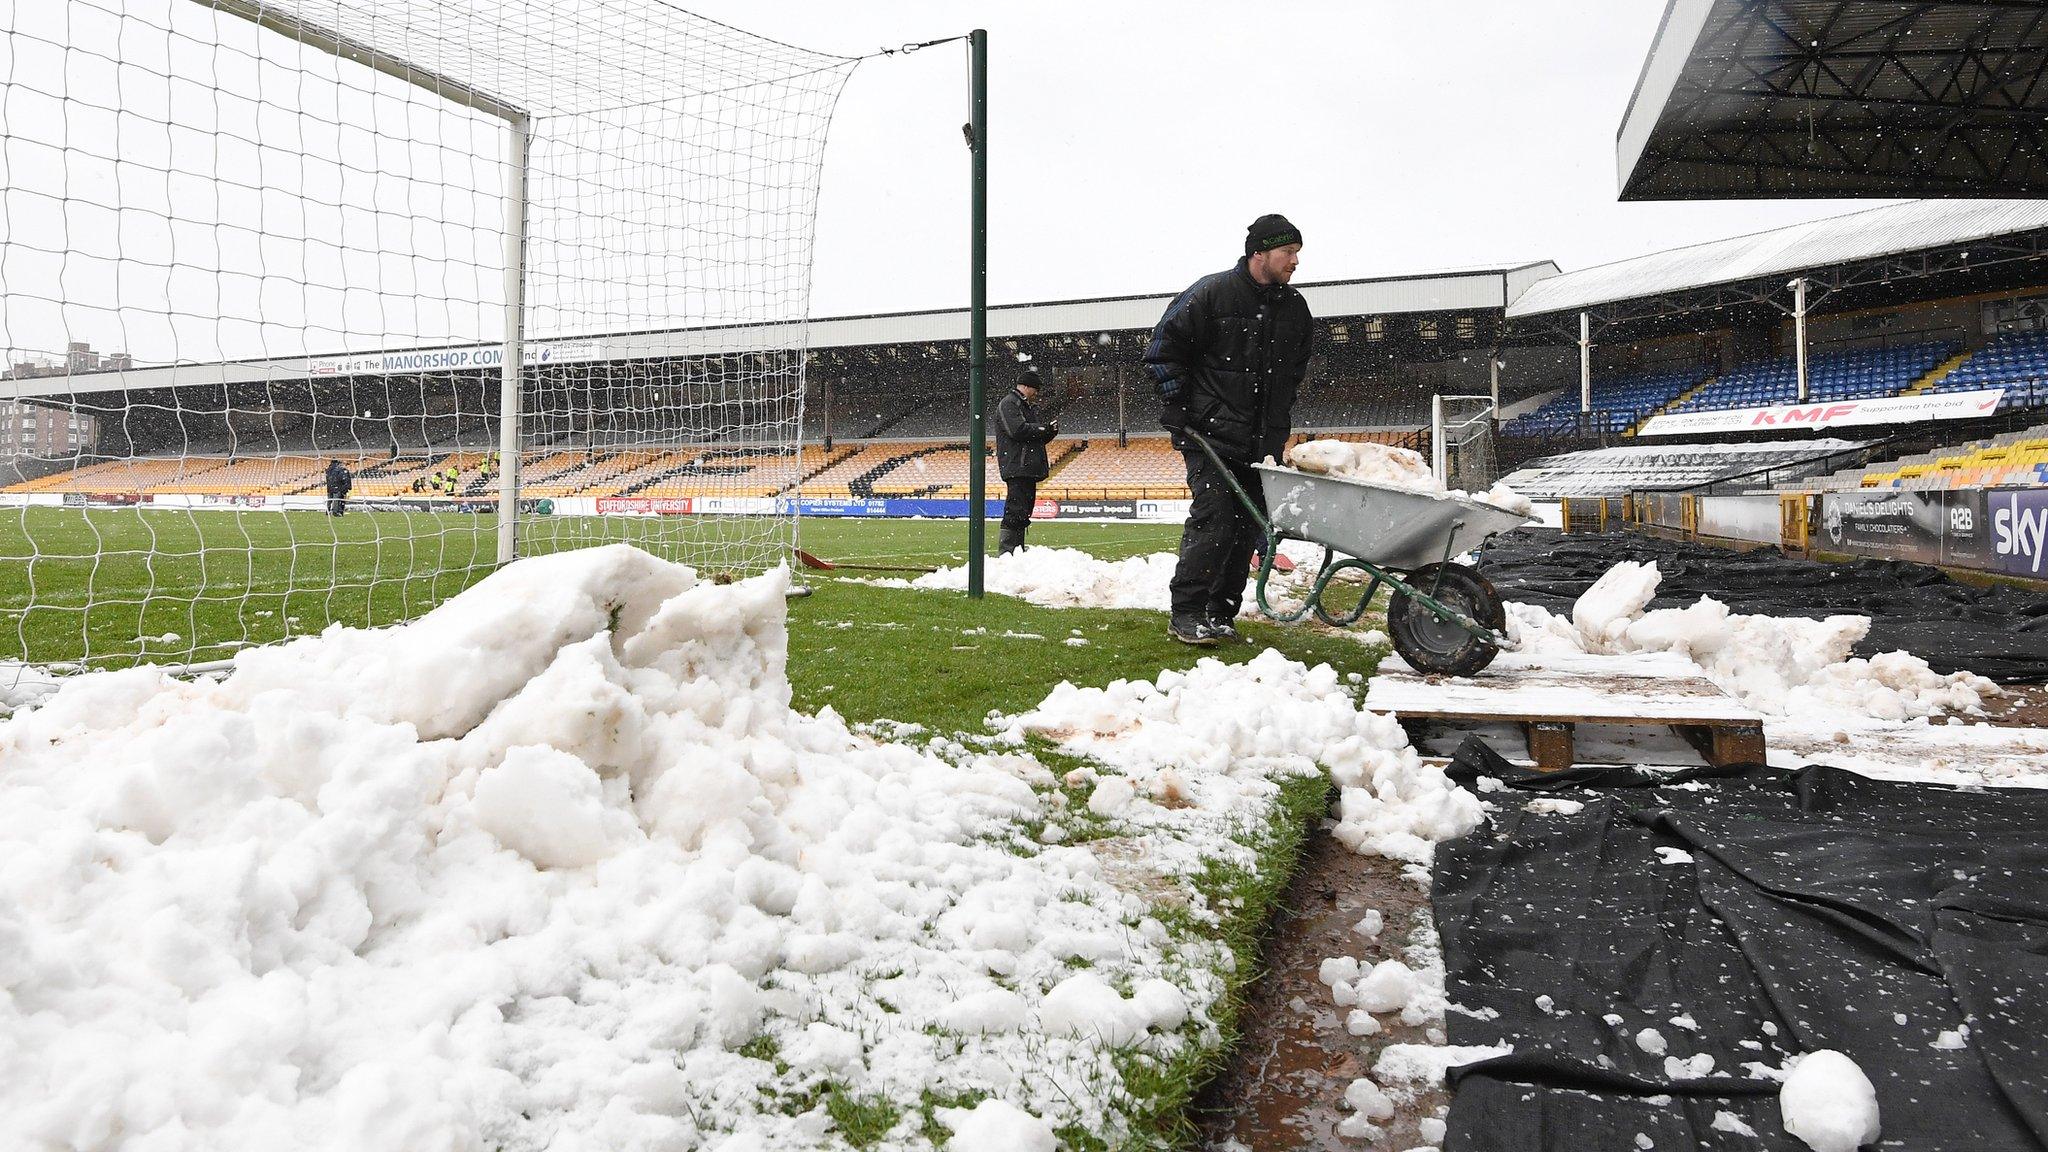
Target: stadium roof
[[1880, 98], [1460, 290], [1877, 232]]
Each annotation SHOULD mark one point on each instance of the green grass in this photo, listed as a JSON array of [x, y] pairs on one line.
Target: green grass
[[941, 660], [117, 585]]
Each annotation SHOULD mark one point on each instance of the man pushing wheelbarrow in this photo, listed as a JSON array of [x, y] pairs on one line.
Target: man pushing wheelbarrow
[[1228, 358]]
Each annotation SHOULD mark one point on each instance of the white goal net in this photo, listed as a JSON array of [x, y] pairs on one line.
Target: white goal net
[[1461, 439], [458, 257]]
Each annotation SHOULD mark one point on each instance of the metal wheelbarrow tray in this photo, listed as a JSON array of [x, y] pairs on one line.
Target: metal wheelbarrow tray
[[1390, 527], [1444, 618]]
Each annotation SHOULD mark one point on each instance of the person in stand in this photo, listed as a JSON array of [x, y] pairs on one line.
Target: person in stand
[[339, 481], [452, 480], [1228, 358], [1021, 437]]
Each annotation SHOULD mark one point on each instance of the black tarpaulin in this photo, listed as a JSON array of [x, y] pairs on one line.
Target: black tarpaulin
[[2000, 632], [1769, 914]]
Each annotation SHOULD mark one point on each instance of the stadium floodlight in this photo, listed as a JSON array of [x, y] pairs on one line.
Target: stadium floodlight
[[558, 250]]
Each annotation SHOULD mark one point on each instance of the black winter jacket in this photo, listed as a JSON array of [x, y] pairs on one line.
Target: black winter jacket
[[339, 480], [1228, 358], [1021, 438]]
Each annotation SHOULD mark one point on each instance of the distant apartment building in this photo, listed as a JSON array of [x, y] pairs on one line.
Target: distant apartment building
[[39, 431], [43, 431]]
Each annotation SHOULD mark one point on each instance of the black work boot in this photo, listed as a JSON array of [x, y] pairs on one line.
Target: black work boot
[[1011, 539], [1191, 630]]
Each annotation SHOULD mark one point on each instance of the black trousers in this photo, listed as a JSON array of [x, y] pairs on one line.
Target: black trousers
[[1216, 545], [336, 505], [1019, 498]]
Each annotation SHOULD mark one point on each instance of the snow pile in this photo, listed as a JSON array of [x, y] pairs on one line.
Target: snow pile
[[1230, 727], [1829, 1103], [546, 867], [23, 684], [1506, 499], [997, 1126], [1405, 1070], [1071, 578], [1393, 467], [1373, 463], [1776, 665], [1067, 578]]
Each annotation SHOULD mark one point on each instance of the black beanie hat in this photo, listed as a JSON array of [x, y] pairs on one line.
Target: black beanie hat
[[1270, 231], [1029, 377]]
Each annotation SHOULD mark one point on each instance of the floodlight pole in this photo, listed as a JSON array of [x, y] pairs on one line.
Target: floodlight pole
[[1799, 331], [977, 352], [519, 133], [1585, 362]]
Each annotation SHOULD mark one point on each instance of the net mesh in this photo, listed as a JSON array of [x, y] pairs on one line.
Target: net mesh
[[243, 242], [1467, 433]]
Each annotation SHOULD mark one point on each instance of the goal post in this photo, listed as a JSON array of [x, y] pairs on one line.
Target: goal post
[[1461, 441], [534, 273]]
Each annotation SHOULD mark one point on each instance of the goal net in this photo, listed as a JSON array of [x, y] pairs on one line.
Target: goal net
[[455, 257], [1461, 442]]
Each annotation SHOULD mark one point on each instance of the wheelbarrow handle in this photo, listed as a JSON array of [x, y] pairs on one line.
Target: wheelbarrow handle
[[1252, 506]]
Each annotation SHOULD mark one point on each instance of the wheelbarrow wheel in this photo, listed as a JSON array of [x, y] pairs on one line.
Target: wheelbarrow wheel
[[1444, 647]]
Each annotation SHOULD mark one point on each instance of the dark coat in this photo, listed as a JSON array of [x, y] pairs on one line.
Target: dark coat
[[339, 480], [1228, 358], [1021, 438]]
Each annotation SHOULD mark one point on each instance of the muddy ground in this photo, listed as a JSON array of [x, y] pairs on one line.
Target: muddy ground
[[1284, 1086]]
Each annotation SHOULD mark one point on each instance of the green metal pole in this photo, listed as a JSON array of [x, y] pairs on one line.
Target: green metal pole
[[977, 346]]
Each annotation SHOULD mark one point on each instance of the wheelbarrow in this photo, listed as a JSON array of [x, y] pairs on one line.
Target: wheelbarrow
[[1444, 617]]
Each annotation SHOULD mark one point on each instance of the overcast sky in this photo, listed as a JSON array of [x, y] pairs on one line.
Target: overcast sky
[[178, 200], [1131, 142]]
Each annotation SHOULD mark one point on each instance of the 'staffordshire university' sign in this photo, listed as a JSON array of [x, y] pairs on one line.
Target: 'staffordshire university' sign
[[1829, 414]]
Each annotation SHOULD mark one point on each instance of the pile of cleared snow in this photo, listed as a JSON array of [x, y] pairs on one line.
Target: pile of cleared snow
[[1228, 724], [1391, 466], [1374, 463], [1067, 578], [532, 871], [1829, 1103], [22, 684], [1071, 578], [1776, 665]]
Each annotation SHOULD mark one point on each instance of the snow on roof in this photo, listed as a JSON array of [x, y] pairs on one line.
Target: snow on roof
[[1912, 226]]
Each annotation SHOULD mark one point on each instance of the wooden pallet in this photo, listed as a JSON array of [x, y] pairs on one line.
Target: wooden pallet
[[1549, 697]]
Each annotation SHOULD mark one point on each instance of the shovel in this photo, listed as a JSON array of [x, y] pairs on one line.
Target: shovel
[[810, 561]]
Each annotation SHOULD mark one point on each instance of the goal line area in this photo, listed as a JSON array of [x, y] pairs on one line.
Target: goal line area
[[432, 254]]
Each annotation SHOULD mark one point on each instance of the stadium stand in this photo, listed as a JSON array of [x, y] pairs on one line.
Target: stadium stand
[[1092, 412], [2010, 358], [1147, 468], [2011, 459], [1619, 403], [1853, 374], [839, 479], [935, 417]]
